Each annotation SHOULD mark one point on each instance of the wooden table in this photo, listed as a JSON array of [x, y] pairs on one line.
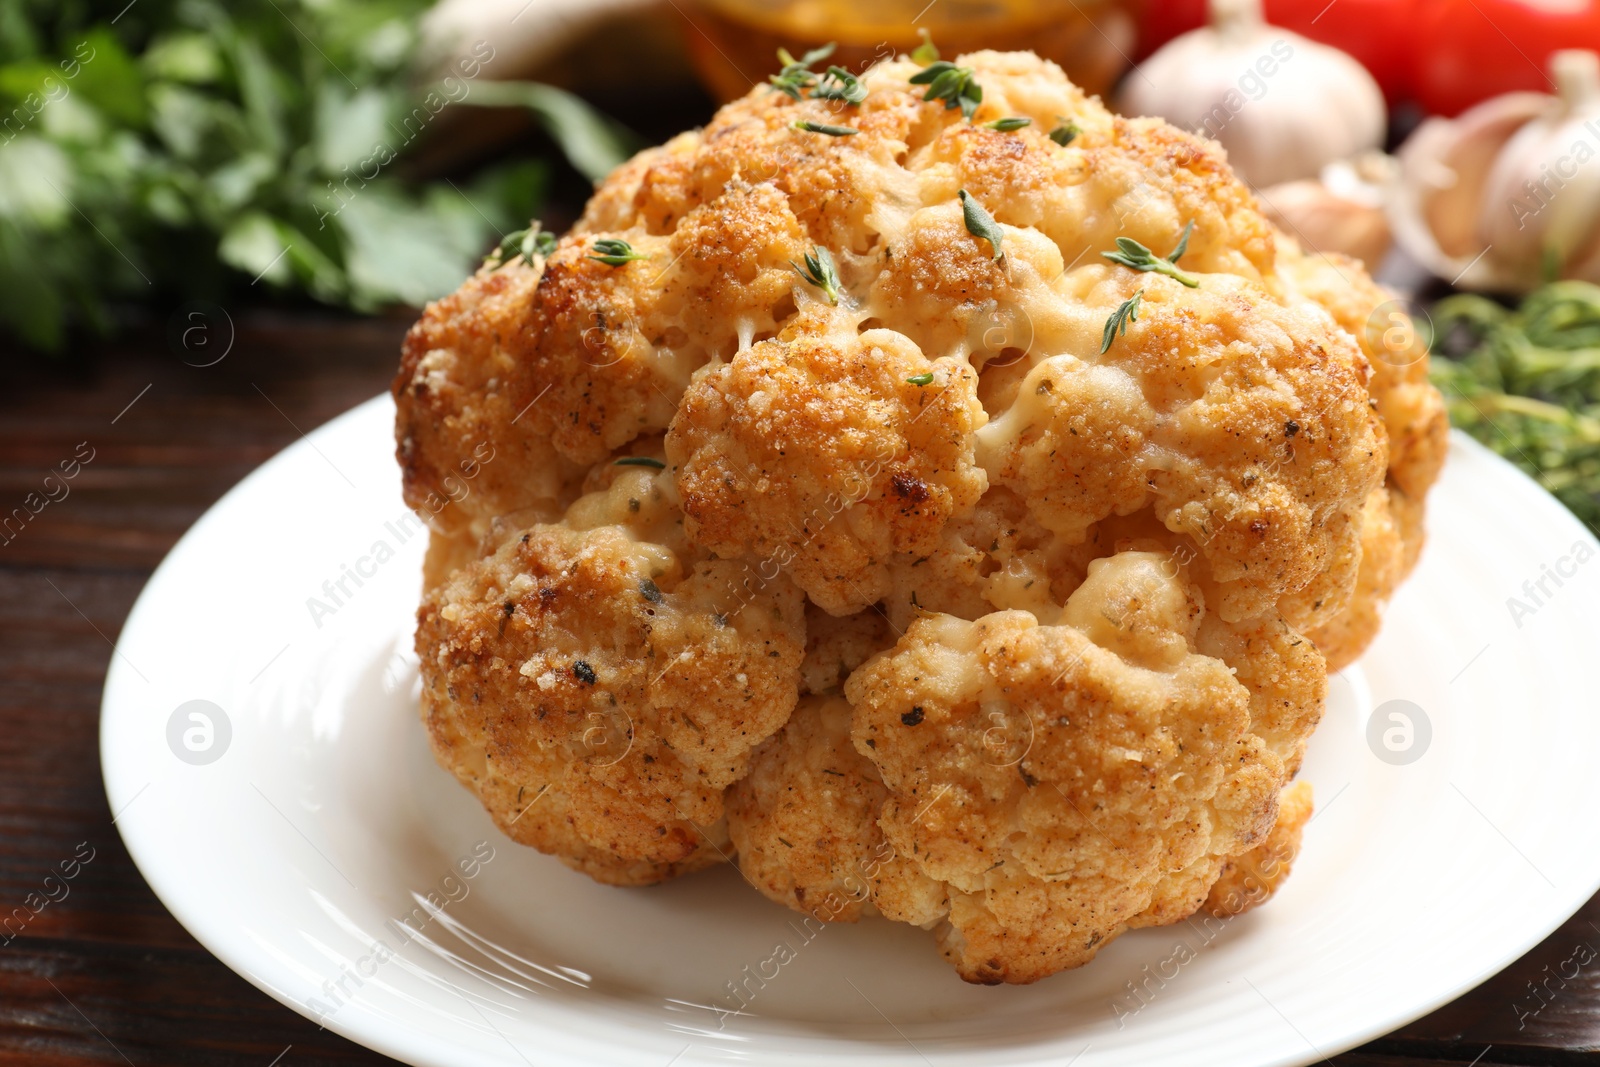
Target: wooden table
[[107, 976]]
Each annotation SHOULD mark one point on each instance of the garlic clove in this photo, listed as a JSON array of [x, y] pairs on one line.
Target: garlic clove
[[1443, 168], [1323, 220]]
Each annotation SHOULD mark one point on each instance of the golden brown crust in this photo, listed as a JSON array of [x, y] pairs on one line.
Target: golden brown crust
[[820, 455], [1415, 421], [597, 668], [1249, 881], [1052, 777], [934, 497], [463, 454]]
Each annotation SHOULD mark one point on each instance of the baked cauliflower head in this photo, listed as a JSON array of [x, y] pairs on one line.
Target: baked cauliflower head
[[946, 520]]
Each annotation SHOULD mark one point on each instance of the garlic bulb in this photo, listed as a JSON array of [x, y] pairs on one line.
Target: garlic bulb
[[1508, 193], [1282, 105], [1542, 196]]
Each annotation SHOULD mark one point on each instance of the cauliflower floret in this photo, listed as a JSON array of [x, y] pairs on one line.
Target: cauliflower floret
[[1418, 429], [464, 456], [835, 647], [805, 823], [1382, 567], [825, 452], [598, 669], [1053, 776], [1250, 880]]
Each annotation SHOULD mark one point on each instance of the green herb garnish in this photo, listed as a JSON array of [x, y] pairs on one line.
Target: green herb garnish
[[807, 126], [1525, 382], [614, 252], [1135, 256], [640, 461], [927, 52], [1064, 134], [1183, 243], [1009, 124], [925, 378], [821, 271], [956, 86], [527, 243], [797, 75], [839, 84], [1127, 311], [980, 223]]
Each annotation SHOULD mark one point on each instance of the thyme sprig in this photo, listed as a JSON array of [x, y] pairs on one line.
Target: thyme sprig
[[1135, 256], [839, 84], [956, 86], [807, 126], [1526, 383], [821, 271], [615, 252], [527, 243], [1127, 311], [1065, 133], [979, 222], [797, 75]]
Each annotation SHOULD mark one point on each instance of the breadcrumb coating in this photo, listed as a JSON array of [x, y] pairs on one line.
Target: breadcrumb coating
[[602, 671], [1248, 881], [1414, 419], [1052, 776], [910, 582]]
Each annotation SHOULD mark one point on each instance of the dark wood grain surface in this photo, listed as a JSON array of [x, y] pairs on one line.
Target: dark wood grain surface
[[105, 975]]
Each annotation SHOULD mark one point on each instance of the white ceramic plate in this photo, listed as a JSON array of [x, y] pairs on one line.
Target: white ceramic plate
[[320, 822]]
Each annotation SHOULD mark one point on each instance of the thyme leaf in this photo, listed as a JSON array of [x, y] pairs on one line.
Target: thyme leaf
[[615, 252], [821, 271], [1127, 311], [980, 223]]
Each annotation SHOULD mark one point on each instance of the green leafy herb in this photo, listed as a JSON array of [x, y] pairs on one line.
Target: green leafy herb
[[1183, 243], [615, 252], [232, 147], [821, 271], [927, 52], [1127, 311], [1135, 256], [1064, 134], [797, 75], [1007, 125], [807, 126], [925, 378], [956, 86], [595, 144], [840, 84], [980, 223], [1526, 383], [533, 241], [640, 461]]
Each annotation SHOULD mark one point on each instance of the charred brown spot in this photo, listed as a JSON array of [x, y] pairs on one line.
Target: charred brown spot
[[912, 717], [910, 487]]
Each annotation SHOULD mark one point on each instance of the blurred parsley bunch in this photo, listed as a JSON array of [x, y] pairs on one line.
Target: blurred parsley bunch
[[176, 148], [1526, 382]]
